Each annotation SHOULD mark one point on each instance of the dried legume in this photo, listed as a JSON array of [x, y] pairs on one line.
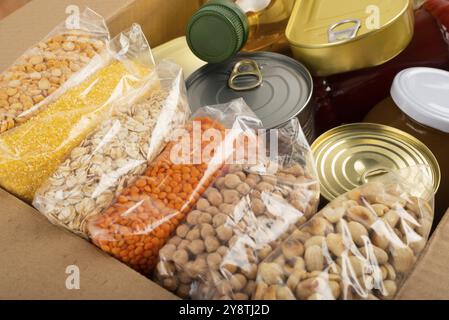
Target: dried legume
[[31, 153], [41, 71], [147, 212]]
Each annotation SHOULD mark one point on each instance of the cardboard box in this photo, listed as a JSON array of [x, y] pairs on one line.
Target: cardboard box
[[430, 278], [35, 255]]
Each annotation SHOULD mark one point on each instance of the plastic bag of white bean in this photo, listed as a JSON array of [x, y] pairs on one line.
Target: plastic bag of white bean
[[361, 246], [40, 75], [239, 221], [118, 151]]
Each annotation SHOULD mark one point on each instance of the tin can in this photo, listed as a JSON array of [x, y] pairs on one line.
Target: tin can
[[178, 51], [352, 155], [332, 37], [277, 88]]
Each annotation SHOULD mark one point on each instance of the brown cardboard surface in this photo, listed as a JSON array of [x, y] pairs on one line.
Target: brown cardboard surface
[[430, 278], [161, 20], [34, 255]]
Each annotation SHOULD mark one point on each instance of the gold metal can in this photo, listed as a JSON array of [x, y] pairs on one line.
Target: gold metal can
[[178, 51], [352, 155], [332, 37]]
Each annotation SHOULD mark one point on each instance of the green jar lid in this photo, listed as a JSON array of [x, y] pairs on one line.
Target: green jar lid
[[217, 31]]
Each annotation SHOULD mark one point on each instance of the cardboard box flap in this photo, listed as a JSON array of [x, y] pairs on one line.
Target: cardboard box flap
[[430, 278], [34, 256]]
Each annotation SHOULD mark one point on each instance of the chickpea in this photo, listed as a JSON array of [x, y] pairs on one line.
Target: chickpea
[[170, 283], [226, 208], [223, 251], [214, 260], [180, 257], [212, 210], [232, 181], [182, 231], [202, 204], [192, 217], [183, 291], [183, 244], [211, 244], [167, 251], [193, 234], [205, 218], [230, 196], [207, 230], [224, 233], [219, 220], [220, 183], [251, 182], [238, 281], [258, 207], [196, 247], [214, 197], [243, 188]]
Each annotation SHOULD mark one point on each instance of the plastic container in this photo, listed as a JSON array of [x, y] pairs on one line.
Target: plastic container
[[419, 105], [221, 28]]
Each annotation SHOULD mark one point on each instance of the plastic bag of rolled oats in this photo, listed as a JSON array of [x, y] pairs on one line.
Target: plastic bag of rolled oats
[[117, 152], [363, 245], [240, 220]]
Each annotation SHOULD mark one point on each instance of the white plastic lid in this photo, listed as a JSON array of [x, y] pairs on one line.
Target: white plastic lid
[[423, 95]]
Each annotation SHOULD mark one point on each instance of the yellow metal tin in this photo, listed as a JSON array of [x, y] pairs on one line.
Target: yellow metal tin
[[351, 155], [178, 51], [386, 28]]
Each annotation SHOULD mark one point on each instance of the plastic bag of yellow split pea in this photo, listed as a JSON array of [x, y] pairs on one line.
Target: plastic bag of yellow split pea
[[30, 153]]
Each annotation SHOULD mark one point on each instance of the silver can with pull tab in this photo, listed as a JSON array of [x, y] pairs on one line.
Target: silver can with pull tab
[[276, 87]]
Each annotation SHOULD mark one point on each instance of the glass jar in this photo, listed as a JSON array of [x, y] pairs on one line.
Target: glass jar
[[419, 105]]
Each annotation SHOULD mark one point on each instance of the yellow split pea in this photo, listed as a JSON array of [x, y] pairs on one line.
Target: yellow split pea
[[30, 153]]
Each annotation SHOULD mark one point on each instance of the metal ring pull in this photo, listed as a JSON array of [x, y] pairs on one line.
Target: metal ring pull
[[374, 172], [346, 34], [245, 68]]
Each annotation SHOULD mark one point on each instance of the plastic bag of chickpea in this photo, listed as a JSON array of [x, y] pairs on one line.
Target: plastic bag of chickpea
[[31, 152], [361, 246], [117, 152], [40, 75], [147, 212], [241, 219]]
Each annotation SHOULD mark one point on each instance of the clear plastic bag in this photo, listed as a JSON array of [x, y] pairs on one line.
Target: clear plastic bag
[[362, 245], [31, 153], [117, 152], [240, 220], [40, 74], [147, 212]]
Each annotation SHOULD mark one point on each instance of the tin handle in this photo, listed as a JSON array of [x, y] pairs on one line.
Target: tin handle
[[245, 68], [380, 171], [346, 34]]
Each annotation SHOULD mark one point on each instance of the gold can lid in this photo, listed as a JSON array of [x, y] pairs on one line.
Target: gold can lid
[[351, 155]]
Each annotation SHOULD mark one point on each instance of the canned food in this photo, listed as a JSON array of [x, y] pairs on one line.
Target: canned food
[[276, 87], [352, 155], [332, 37], [178, 51]]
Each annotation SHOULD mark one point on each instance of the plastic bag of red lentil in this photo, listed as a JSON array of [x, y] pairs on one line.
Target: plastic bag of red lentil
[[117, 152], [362, 246], [32, 152], [146, 213], [40, 75], [240, 219]]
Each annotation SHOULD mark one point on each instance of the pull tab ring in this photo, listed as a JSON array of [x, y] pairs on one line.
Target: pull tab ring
[[346, 34], [239, 71], [373, 173]]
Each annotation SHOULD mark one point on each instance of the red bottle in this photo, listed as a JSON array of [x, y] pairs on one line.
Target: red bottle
[[348, 97]]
